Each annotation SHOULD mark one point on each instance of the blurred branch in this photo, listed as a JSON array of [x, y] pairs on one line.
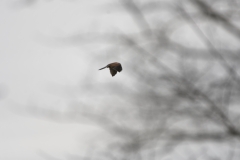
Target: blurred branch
[[138, 16], [199, 136], [217, 17], [229, 69]]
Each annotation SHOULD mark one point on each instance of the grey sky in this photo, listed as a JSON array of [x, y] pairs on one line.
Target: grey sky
[[39, 68], [32, 67]]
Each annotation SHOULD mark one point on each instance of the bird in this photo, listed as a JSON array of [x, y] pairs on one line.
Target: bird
[[113, 67]]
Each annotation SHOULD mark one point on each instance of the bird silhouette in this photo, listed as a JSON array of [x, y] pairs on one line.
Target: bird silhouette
[[114, 68]]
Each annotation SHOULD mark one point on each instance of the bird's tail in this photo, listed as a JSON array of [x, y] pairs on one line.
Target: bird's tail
[[102, 68]]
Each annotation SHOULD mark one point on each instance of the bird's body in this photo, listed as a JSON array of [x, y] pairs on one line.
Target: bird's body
[[114, 68]]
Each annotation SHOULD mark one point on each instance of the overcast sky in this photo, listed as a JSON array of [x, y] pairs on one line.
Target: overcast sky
[[32, 66], [36, 67]]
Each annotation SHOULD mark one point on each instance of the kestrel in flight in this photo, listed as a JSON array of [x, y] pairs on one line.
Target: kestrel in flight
[[114, 68]]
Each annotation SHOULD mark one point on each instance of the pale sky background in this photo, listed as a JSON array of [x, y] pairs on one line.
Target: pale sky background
[[33, 66]]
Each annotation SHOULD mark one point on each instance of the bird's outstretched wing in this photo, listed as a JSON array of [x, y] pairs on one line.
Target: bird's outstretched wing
[[113, 71]]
